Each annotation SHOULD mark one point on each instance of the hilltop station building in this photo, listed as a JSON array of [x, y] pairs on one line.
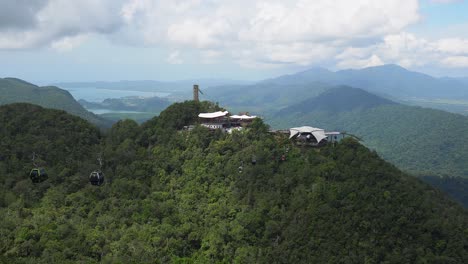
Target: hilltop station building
[[222, 120], [312, 136], [305, 135]]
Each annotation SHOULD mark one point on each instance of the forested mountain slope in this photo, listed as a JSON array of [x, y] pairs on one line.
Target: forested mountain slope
[[418, 140], [339, 99], [263, 97], [14, 90], [196, 197]]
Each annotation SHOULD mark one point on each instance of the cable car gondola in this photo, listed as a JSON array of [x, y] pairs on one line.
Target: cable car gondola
[[37, 174], [97, 177], [254, 160]]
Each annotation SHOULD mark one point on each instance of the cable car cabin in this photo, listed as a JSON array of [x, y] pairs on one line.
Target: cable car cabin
[[96, 178], [38, 175]]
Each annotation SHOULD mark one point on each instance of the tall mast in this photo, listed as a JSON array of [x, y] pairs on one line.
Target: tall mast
[[195, 93]]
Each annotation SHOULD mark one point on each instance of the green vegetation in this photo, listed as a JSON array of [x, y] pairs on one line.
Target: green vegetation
[[138, 117], [180, 196], [418, 140], [18, 91], [454, 106]]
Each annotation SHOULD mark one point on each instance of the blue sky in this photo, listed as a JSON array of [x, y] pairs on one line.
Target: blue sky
[[46, 41]]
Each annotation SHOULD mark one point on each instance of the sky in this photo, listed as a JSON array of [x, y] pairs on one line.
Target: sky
[[45, 41]]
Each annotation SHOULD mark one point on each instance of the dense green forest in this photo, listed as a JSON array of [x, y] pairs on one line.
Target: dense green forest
[[138, 117], [14, 90], [421, 141], [197, 197]]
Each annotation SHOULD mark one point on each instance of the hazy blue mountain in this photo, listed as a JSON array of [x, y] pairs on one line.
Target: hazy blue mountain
[[312, 75], [389, 80], [464, 80], [14, 90], [338, 99], [262, 97], [458, 79], [418, 140]]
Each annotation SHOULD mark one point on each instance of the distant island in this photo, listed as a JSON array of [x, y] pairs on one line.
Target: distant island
[[131, 103]]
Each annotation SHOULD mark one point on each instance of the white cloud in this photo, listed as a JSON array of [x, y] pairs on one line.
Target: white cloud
[[68, 43], [174, 58], [453, 46], [408, 50], [19, 14], [456, 61], [354, 63], [259, 32], [57, 20], [200, 33], [320, 20], [253, 33], [210, 56]]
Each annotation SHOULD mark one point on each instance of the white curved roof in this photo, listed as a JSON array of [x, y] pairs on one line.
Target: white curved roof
[[247, 117], [213, 115], [318, 133]]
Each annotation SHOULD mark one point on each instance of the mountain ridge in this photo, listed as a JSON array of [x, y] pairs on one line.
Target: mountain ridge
[[338, 99], [387, 80], [15, 90]]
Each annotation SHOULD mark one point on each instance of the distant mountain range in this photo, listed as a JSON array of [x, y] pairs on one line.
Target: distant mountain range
[[419, 140], [457, 79], [14, 90], [339, 99], [388, 81]]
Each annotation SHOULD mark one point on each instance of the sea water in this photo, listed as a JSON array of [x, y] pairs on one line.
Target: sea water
[[92, 94]]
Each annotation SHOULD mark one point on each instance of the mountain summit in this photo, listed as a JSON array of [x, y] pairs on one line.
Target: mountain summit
[[339, 99]]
